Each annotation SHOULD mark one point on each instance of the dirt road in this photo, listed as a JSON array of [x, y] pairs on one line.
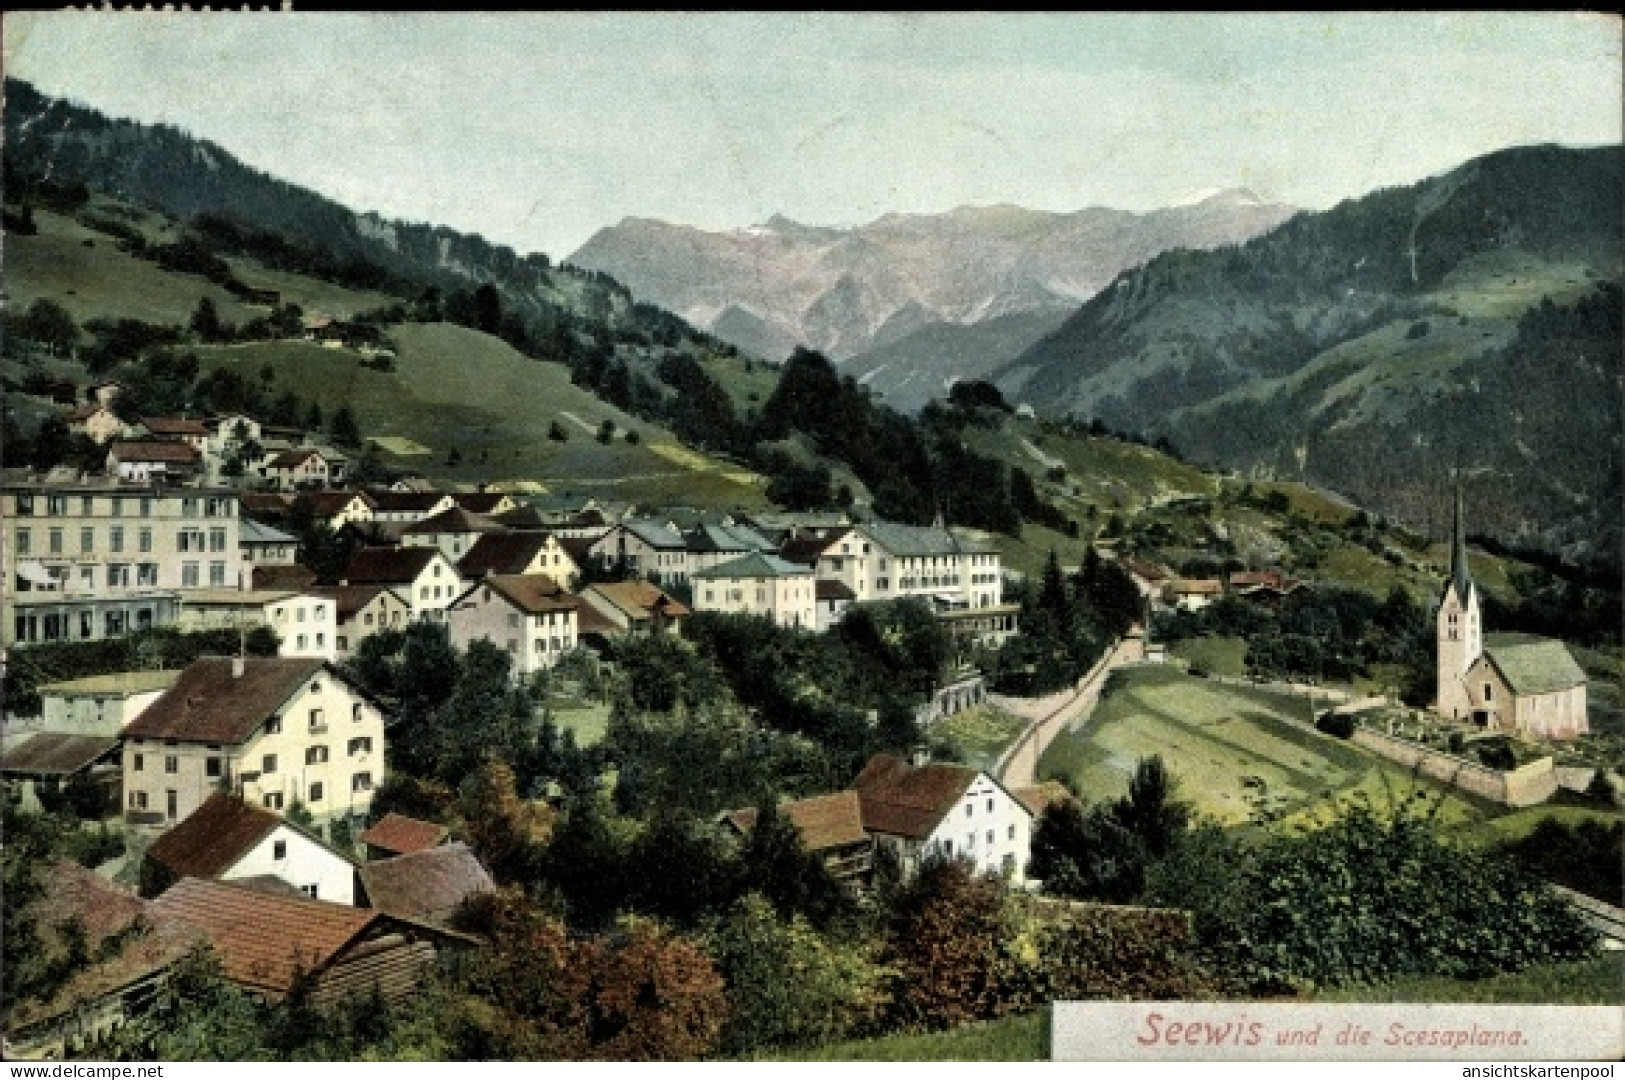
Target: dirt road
[[1049, 716]]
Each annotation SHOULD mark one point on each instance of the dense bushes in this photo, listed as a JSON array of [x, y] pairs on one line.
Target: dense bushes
[[1340, 725], [1366, 899]]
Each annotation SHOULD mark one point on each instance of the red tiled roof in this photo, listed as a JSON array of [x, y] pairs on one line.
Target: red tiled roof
[[103, 910], [502, 553], [453, 519], [209, 704], [641, 599], [154, 451], [350, 599], [292, 576], [174, 425], [389, 566], [532, 593], [265, 941], [400, 501], [292, 459], [1041, 797], [825, 821], [328, 503], [49, 753], [910, 801], [830, 589], [428, 884], [479, 502], [807, 549], [403, 835], [213, 838]]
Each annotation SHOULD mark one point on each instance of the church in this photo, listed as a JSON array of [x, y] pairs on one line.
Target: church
[[1513, 683]]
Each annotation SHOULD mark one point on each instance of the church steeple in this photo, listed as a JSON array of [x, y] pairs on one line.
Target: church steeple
[[1460, 579]]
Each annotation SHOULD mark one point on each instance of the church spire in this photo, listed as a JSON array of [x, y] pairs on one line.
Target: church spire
[[1460, 579]]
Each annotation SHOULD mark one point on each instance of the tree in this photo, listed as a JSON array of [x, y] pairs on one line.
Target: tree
[[606, 432], [789, 985], [656, 996], [780, 868], [945, 937], [502, 829], [344, 430], [205, 322], [49, 323], [313, 417]]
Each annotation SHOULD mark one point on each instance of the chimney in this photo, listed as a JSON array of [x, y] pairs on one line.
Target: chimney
[[237, 664]]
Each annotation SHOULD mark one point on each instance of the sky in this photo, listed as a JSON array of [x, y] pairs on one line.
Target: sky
[[535, 130]]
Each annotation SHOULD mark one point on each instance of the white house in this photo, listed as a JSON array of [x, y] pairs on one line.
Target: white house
[[529, 552], [405, 507], [424, 577], [362, 611], [146, 462], [757, 584], [302, 467], [101, 704], [951, 811], [644, 549], [227, 839], [274, 730], [453, 531], [261, 545], [306, 623], [529, 615]]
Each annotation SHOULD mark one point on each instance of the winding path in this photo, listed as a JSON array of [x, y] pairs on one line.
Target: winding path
[[1060, 711]]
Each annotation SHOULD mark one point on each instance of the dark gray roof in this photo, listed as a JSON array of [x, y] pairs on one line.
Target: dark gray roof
[[756, 565]]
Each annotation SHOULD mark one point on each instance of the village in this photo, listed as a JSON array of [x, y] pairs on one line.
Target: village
[[244, 782]]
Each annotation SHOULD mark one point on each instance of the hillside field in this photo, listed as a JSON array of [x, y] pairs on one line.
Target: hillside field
[[1233, 749]]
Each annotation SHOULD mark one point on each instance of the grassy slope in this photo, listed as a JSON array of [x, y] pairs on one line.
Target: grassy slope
[[981, 733], [456, 388], [1014, 1038]]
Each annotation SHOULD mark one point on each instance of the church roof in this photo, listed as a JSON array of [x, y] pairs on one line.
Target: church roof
[[1533, 665], [1460, 578]]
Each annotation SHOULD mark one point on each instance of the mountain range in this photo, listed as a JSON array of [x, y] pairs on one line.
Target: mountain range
[[844, 291], [1470, 321]]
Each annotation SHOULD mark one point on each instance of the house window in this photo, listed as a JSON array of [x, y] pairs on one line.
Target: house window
[[990, 806], [308, 890], [947, 847], [990, 838], [318, 720], [1008, 863], [115, 539], [342, 643], [146, 507], [362, 745], [1489, 692], [361, 781], [302, 640], [23, 545], [273, 726], [970, 809], [56, 541], [146, 574], [268, 764], [211, 767], [56, 504], [217, 539], [315, 755], [355, 713], [137, 762], [513, 620], [171, 804], [272, 800], [189, 576], [970, 841], [321, 640], [172, 763], [138, 800], [366, 620], [143, 539], [1012, 835], [25, 505], [217, 573], [279, 849], [316, 792]]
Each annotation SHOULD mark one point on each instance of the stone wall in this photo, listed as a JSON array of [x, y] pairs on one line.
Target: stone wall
[[1527, 785]]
